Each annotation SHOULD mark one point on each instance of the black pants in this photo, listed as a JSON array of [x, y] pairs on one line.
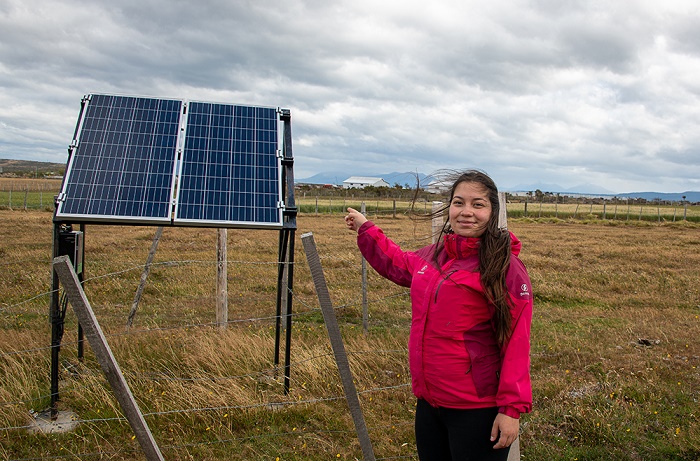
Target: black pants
[[446, 434]]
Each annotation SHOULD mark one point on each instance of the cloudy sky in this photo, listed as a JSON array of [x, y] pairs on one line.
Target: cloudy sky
[[532, 91]]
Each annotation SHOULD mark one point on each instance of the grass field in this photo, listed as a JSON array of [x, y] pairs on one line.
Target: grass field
[[615, 354]]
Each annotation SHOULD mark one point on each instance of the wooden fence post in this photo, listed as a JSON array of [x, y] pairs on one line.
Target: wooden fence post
[[222, 279], [502, 211], [437, 222]]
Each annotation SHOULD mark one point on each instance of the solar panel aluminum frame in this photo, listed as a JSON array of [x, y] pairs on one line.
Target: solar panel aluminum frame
[[277, 208], [170, 215], [66, 200]]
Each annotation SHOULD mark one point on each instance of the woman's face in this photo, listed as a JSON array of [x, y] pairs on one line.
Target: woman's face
[[470, 209]]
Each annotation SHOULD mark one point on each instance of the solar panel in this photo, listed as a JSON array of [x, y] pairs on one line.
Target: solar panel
[[160, 161], [123, 163], [230, 166]]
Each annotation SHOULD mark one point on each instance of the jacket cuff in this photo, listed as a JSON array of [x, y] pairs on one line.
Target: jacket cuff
[[509, 411], [365, 225]]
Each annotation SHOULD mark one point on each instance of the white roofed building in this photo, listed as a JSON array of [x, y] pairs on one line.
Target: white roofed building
[[438, 186], [360, 182]]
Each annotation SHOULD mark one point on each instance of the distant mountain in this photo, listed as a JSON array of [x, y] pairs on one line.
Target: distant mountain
[[588, 189], [337, 178], [690, 196], [592, 189]]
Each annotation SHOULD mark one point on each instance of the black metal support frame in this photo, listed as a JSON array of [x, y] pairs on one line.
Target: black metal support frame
[[57, 307], [286, 253]]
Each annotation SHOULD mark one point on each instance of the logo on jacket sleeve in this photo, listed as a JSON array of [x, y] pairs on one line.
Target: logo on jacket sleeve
[[524, 290], [422, 270]]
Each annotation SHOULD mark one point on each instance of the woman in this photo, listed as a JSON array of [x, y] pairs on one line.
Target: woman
[[469, 345]]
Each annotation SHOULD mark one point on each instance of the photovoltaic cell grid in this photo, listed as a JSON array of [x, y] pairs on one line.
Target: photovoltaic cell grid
[[124, 165], [124, 162], [230, 169]]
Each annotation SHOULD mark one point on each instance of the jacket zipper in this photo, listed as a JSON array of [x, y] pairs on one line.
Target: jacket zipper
[[437, 290]]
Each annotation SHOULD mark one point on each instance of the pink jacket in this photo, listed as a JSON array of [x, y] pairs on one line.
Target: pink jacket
[[454, 358]]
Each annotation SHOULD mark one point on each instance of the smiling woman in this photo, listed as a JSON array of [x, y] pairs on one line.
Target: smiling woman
[[470, 332]]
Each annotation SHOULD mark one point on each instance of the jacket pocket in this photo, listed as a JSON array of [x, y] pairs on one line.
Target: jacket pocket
[[485, 356]]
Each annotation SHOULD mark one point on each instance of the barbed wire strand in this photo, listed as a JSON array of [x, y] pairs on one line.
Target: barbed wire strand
[[229, 440], [265, 372], [284, 403], [169, 263], [257, 374], [297, 314]]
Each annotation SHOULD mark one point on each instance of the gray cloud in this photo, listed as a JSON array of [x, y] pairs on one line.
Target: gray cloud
[[553, 91]]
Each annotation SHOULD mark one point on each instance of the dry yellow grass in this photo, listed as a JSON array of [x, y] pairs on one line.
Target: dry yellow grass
[[615, 355]]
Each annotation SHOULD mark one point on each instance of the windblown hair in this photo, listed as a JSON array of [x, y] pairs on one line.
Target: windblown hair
[[494, 253]]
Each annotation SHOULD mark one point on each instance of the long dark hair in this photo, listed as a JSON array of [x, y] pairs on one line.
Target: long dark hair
[[494, 252]]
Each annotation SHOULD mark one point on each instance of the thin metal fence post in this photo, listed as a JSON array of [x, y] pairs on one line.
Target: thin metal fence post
[[144, 277], [365, 303]]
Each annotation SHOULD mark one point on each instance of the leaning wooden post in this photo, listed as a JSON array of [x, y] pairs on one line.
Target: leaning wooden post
[[222, 280], [336, 339], [103, 353], [144, 276]]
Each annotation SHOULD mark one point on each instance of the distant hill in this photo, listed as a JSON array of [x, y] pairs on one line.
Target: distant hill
[[337, 178], [690, 196], [29, 167]]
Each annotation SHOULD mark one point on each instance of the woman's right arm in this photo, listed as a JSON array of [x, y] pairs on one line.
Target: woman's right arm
[[385, 256]]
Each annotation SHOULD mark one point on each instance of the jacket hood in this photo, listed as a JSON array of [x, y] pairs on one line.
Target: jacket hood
[[460, 247]]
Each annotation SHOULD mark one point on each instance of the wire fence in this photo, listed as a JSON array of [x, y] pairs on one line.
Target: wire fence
[[205, 392], [580, 209], [198, 394], [38, 194]]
